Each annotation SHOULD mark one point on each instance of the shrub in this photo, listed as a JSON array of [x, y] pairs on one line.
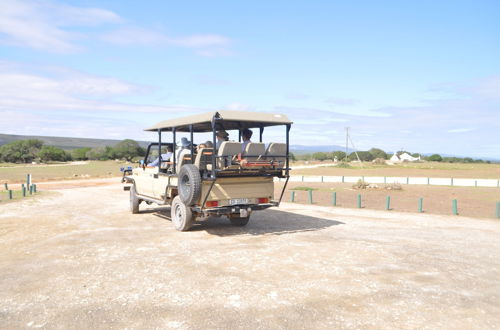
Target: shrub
[[80, 153], [435, 158], [378, 153], [127, 149], [339, 154], [360, 184], [53, 153], [321, 156], [20, 151]]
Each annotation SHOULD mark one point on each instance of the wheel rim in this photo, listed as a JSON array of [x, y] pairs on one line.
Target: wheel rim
[[186, 184], [177, 214]]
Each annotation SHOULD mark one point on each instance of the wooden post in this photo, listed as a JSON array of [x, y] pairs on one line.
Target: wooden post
[[454, 206], [420, 205], [6, 186], [334, 198], [388, 203], [310, 196], [359, 201], [24, 190], [34, 188], [31, 189], [292, 196], [10, 194], [28, 180]]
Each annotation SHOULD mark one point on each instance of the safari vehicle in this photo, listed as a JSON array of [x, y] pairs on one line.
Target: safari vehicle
[[200, 182]]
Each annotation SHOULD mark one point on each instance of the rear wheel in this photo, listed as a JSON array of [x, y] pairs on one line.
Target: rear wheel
[[238, 221], [181, 214], [134, 201]]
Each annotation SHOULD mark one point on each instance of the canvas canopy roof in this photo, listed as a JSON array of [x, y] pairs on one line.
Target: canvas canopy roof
[[225, 119]]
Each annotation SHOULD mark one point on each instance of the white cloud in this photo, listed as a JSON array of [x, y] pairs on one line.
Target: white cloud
[[67, 90], [341, 101], [460, 130], [49, 26], [40, 24]]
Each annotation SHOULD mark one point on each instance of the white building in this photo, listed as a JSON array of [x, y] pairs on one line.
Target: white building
[[404, 157]]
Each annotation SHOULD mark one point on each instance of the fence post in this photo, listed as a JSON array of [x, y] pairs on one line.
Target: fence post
[[24, 190], [498, 210], [363, 178], [10, 194], [334, 198], [388, 203], [428, 181], [31, 189], [420, 205], [385, 180], [342, 179], [359, 201], [310, 196], [452, 182], [475, 183], [321, 178], [302, 178], [454, 207], [28, 180], [6, 186], [292, 196], [34, 188], [407, 180]]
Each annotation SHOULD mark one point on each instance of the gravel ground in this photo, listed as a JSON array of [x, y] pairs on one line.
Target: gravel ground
[[78, 259]]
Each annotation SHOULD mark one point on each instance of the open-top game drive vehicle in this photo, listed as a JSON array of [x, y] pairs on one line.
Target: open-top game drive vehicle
[[217, 177]]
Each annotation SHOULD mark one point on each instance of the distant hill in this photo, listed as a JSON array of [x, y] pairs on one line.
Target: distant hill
[[66, 143]]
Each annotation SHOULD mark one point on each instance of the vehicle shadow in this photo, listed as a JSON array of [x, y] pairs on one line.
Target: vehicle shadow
[[267, 222]]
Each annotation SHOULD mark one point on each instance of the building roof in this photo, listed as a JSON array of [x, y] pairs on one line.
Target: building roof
[[225, 119]]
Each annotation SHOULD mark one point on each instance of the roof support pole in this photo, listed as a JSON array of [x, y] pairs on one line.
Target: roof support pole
[[192, 146], [159, 150], [287, 148], [175, 151], [214, 153], [261, 131]]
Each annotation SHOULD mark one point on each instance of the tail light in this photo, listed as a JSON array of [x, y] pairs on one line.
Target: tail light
[[263, 200], [212, 203]]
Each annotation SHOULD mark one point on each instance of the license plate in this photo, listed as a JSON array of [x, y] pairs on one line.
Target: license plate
[[239, 201]]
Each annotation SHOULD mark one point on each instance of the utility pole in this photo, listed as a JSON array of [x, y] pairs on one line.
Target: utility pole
[[346, 141]]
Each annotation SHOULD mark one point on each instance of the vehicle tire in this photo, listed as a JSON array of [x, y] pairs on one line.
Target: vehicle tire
[[189, 184], [134, 201], [238, 221], [181, 214]]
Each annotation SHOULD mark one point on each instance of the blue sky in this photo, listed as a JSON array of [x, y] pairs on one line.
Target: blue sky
[[421, 75]]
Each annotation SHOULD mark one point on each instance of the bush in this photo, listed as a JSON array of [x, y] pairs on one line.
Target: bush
[[48, 153], [24, 151], [339, 154], [364, 156], [321, 156], [80, 153], [435, 158], [127, 149], [100, 153], [378, 153], [360, 184]]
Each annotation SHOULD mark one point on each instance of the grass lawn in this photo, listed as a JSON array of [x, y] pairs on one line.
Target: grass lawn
[[16, 173], [425, 169]]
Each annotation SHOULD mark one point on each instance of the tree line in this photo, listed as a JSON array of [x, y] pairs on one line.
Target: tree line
[[376, 153], [27, 151]]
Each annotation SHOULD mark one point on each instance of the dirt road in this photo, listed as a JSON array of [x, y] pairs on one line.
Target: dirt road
[[77, 259]]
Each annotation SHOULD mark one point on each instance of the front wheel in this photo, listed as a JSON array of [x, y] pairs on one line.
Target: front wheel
[[181, 214], [134, 201], [239, 221]]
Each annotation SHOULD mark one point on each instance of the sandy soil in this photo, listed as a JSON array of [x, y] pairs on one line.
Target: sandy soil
[[78, 259], [472, 201]]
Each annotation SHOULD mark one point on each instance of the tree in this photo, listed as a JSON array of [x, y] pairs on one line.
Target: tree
[[20, 151], [98, 153], [364, 156], [80, 153], [435, 158], [320, 156], [127, 149], [292, 156], [52, 153], [378, 153], [339, 154]]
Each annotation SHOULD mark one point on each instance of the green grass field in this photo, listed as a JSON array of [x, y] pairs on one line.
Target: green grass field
[[16, 173], [425, 169]]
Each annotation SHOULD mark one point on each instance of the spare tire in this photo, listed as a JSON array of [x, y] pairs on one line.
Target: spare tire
[[189, 184]]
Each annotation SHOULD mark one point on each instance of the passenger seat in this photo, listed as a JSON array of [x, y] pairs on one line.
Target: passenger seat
[[255, 151], [276, 152]]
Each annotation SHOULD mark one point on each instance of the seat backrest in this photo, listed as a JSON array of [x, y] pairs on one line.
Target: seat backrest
[[229, 149], [184, 157], [254, 151], [277, 152], [203, 157]]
